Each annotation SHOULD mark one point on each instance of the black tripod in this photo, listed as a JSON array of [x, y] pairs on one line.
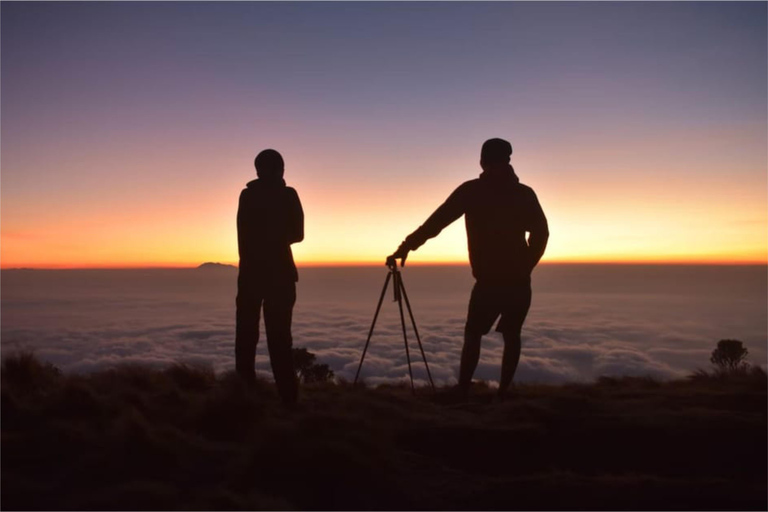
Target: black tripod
[[400, 293]]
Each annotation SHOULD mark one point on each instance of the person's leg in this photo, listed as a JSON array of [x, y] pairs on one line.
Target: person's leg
[[470, 356], [278, 314], [516, 308], [480, 317], [248, 308], [510, 359]]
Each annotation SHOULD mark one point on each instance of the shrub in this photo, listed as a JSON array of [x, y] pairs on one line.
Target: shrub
[[307, 370], [729, 355]]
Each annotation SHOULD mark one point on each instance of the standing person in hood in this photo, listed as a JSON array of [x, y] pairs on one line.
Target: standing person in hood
[[498, 211], [269, 220]]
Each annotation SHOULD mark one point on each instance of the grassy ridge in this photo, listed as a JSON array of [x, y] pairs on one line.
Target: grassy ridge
[[135, 438]]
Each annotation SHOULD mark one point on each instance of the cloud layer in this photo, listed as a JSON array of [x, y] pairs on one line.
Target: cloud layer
[[87, 320]]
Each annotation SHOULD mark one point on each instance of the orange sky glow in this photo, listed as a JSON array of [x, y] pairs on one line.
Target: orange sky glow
[[655, 209]]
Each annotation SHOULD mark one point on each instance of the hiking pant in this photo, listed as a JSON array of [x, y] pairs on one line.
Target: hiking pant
[[278, 301]]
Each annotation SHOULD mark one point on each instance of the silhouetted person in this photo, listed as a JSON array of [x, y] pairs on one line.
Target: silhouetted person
[[498, 210], [269, 220]]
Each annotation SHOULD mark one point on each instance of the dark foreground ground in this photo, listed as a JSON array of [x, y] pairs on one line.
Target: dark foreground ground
[[183, 438]]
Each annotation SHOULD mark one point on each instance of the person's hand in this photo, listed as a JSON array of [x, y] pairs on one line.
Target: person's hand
[[401, 253]]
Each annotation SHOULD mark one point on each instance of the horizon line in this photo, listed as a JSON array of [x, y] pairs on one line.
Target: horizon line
[[194, 266]]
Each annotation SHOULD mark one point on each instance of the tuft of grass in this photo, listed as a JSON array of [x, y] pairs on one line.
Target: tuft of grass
[[742, 375], [629, 382], [24, 373], [194, 378]]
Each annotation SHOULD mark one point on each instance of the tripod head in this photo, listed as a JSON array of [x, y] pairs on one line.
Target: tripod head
[[392, 266]]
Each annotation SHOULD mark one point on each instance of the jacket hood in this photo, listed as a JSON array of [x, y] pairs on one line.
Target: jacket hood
[[261, 182], [500, 176]]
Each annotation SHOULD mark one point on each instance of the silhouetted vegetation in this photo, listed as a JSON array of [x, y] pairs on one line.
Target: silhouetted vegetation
[[729, 355], [307, 370], [183, 437]]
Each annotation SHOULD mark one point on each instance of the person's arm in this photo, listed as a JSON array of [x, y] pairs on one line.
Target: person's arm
[[538, 229], [453, 208], [295, 219]]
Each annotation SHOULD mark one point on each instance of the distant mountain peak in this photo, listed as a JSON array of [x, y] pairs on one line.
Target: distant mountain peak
[[210, 264]]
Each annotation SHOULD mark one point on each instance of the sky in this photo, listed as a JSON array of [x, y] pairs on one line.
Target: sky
[[129, 129]]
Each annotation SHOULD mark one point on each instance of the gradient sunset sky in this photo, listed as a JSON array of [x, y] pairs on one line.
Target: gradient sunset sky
[[129, 129]]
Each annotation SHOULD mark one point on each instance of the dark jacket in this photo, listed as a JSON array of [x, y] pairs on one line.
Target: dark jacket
[[498, 210], [269, 220]]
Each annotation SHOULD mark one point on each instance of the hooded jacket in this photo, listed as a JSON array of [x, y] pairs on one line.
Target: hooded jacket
[[498, 211], [269, 220]]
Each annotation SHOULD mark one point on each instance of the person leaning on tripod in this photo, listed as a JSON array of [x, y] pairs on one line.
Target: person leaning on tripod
[[498, 211], [269, 220]]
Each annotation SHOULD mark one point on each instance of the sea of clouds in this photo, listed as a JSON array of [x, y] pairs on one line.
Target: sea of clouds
[[585, 320]]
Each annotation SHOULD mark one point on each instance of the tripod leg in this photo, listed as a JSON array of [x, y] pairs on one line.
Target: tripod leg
[[398, 285], [416, 331], [373, 324]]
